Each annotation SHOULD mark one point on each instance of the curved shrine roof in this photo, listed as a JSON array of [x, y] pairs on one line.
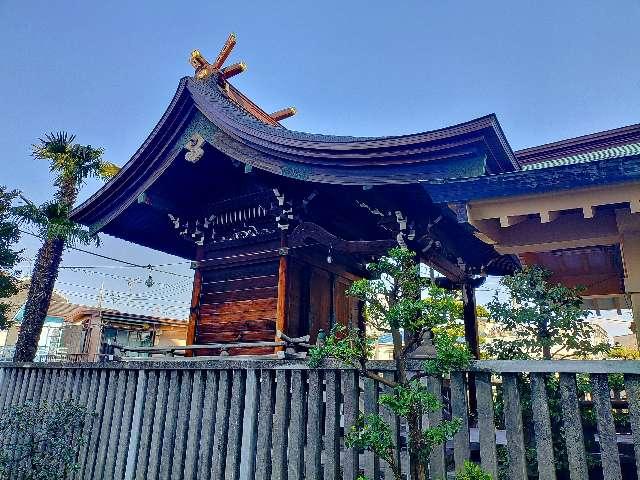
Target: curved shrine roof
[[238, 128]]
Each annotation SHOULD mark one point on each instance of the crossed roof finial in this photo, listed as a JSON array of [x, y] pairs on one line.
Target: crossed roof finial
[[204, 69]]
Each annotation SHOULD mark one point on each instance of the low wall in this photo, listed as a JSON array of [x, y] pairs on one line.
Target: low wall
[[263, 419]]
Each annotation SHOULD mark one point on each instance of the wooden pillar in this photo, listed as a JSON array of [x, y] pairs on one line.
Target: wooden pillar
[[471, 337], [283, 280], [470, 319], [194, 312], [630, 247]]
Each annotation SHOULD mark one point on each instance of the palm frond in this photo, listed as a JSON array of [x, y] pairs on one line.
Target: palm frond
[[52, 221], [53, 145]]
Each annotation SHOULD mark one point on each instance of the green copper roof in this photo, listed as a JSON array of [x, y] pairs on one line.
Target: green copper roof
[[613, 152]]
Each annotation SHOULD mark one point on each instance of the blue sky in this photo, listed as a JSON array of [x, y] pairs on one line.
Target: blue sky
[[107, 70]]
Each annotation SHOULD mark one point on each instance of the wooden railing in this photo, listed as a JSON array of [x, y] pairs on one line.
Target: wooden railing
[[277, 419]]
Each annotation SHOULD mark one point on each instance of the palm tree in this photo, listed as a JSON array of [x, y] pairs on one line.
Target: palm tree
[[71, 164]]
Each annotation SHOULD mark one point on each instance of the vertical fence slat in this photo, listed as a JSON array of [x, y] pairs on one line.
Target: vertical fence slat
[[632, 387], [146, 429], [105, 429], [68, 386], [88, 426], [265, 426], [155, 449], [332, 425], [281, 426], [486, 423], [250, 426], [437, 465], [167, 450], [513, 424], [136, 425], [94, 438], [222, 426], [297, 425], [371, 461], [606, 428], [126, 427], [572, 421], [53, 386], [461, 451], [351, 412], [542, 427], [182, 424], [195, 418], [113, 435], [27, 380], [33, 395], [314, 426], [7, 387], [236, 409], [208, 424], [392, 421]]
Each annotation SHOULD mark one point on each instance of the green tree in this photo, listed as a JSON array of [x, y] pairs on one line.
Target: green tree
[[9, 257], [71, 165], [41, 441], [545, 320], [393, 305]]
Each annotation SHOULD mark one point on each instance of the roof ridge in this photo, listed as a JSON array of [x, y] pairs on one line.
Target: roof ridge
[[581, 144]]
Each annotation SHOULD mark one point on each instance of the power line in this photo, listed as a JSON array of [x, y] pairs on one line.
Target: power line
[[125, 262]]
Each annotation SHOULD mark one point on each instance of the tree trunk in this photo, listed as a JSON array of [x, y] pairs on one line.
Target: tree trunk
[[43, 279], [418, 469]]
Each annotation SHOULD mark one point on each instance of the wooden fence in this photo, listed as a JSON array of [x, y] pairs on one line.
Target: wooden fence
[[278, 419]]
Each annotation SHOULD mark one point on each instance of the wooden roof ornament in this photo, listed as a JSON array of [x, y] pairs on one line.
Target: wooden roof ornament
[[284, 113], [205, 69]]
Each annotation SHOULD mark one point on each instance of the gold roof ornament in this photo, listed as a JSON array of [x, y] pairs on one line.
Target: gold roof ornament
[[284, 113], [204, 69]]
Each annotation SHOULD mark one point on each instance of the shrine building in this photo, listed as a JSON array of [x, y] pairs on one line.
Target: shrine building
[[278, 223]]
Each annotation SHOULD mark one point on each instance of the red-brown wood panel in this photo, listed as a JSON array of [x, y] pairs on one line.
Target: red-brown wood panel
[[238, 304]]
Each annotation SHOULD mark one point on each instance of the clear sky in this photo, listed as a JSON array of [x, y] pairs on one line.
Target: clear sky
[[107, 70]]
